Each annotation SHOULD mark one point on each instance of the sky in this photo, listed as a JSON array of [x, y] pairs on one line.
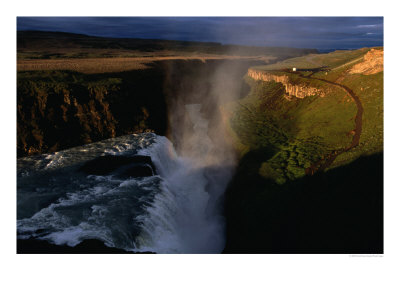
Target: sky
[[301, 32]]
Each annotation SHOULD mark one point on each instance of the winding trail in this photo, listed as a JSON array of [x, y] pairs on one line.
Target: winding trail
[[327, 161], [349, 63], [360, 111]]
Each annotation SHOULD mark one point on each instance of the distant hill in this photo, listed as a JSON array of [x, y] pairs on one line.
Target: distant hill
[[41, 44]]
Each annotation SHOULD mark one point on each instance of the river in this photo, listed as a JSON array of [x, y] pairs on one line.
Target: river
[[176, 210]]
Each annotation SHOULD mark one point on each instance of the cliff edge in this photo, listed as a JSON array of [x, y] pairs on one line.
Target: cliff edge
[[292, 89]]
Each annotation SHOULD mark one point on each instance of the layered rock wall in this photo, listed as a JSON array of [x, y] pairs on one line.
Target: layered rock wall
[[63, 109], [57, 113], [297, 90]]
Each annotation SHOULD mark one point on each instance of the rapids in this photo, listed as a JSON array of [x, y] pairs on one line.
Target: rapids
[[178, 210]]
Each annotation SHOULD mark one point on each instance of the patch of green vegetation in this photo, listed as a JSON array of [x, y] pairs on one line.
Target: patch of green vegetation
[[270, 190], [292, 160], [369, 88], [299, 132], [254, 126], [303, 131]]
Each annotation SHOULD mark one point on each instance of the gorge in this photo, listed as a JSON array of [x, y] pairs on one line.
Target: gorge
[[230, 152], [183, 212]]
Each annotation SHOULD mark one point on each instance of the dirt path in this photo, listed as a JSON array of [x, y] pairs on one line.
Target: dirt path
[[327, 161], [358, 118], [349, 63]]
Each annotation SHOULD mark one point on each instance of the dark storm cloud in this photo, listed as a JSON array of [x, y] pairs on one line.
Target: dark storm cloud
[[312, 32]]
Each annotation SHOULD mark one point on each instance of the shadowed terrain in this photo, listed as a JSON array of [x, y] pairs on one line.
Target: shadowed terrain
[[310, 175], [308, 143]]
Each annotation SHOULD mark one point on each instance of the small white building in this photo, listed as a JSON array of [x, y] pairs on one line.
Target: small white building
[[294, 69]]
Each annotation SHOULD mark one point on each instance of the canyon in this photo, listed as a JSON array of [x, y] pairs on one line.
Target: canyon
[[270, 204], [61, 109]]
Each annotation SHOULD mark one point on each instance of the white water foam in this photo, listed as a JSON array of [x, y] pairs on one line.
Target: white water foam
[[183, 217], [175, 211]]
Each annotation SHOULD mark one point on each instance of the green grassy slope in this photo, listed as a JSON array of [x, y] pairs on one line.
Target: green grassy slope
[[271, 205], [369, 88], [300, 132], [328, 60]]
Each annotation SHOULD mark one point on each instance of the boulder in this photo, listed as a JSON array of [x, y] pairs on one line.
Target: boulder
[[137, 170], [123, 166]]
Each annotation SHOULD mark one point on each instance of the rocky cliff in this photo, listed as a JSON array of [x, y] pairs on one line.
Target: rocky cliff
[[297, 90], [61, 109], [372, 63]]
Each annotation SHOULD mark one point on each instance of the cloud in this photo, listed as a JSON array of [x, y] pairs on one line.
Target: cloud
[[310, 32], [369, 26]]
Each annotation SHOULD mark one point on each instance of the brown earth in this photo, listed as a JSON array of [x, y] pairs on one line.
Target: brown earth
[[327, 161], [117, 64]]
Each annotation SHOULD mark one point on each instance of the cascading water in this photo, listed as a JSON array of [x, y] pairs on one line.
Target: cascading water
[[175, 211], [186, 216]]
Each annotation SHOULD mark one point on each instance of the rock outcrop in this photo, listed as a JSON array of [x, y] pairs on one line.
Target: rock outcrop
[[122, 166], [297, 90], [56, 111], [372, 63], [62, 109]]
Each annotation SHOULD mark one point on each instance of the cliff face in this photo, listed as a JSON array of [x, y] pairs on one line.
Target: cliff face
[[48, 119], [299, 91], [59, 110]]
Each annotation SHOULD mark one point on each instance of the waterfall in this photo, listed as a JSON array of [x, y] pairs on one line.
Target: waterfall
[[186, 216], [178, 210]]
